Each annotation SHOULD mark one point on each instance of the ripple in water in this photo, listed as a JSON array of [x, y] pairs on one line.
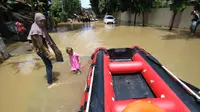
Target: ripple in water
[[27, 66]]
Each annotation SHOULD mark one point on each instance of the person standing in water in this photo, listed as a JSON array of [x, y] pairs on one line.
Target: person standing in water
[[74, 60], [195, 21], [39, 38]]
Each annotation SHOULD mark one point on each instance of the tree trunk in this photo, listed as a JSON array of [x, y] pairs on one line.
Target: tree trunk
[[129, 17], [57, 52], [143, 19], [135, 19], [173, 18]]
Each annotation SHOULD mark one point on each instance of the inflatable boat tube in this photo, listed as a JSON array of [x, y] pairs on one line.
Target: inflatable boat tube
[[119, 77]]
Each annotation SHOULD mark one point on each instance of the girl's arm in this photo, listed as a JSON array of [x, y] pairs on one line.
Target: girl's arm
[[78, 58]]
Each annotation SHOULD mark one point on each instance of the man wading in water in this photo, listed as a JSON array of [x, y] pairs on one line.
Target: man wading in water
[[40, 38], [195, 22]]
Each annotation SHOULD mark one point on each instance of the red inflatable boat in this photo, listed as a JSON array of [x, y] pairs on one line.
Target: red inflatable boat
[[121, 76]]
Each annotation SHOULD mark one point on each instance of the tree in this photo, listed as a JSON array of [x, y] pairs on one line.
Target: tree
[[138, 7], [124, 5], [197, 5], [177, 6], [95, 4], [112, 5], [65, 8], [135, 7], [38, 5], [105, 6], [75, 6], [160, 4], [56, 8], [102, 6], [146, 6]]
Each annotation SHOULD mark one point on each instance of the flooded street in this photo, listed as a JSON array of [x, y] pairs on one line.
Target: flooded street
[[23, 86]]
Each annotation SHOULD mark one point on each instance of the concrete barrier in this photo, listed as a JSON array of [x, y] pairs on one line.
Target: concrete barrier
[[160, 17], [186, 18]]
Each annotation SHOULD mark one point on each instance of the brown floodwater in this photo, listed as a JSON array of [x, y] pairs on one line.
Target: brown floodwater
[[23, 86]]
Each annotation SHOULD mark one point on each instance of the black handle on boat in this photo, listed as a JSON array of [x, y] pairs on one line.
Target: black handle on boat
[[143, 97], [176, 78]]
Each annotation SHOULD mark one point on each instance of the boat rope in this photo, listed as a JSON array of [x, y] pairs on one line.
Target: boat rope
[[183, 84], [175, 77]]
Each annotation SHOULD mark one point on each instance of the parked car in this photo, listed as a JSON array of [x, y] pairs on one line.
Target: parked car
[[109, 19]]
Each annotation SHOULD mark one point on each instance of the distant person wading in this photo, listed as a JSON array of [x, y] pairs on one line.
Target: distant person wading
[[195, 22], [40, 38]]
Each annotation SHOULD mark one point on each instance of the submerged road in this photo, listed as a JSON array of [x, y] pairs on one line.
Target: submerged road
[[23, 85]]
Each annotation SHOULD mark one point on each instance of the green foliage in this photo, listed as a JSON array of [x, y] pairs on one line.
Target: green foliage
[[135, 6], [39, 5], [95, 4], [102, 6], [56, 19], [160, 4], [63, 16], [109, 6], [56, 7], [197, 5], [65, 8], [139, 6], [105, 6], [112, 5], [178, 5], [124, 5], [146, 5]]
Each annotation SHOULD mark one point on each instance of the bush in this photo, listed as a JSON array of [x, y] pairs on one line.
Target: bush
[[63, 16], [57, 20]]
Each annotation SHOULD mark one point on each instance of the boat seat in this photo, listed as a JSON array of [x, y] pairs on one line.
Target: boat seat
[[120, 53], [125, 67]]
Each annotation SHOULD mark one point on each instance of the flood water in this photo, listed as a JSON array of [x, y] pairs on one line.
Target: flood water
[[23, 86]]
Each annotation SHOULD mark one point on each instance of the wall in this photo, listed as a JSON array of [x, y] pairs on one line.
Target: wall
[[138, 18], [125, 16], [160, 17], [186, 18]]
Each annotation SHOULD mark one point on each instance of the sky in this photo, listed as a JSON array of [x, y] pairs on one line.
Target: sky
[[85, 3]]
